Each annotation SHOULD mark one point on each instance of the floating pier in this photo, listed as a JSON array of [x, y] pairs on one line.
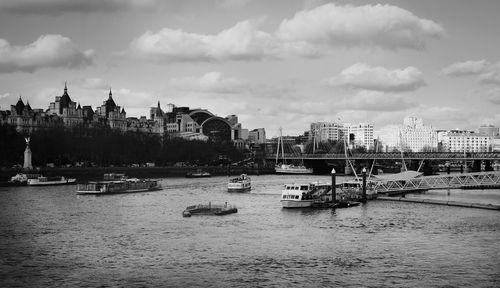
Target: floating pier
[[441, 202], [210, 209]]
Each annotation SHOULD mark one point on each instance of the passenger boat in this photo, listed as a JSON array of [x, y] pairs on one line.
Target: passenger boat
[[47, 181], [305, 195], [292, 169], [210, 209], [198, 174], [124, 185], [241, 183]]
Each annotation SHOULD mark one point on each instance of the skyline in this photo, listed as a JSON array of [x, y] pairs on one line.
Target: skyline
[[273, 63]]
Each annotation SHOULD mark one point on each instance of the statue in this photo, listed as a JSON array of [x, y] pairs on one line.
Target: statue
[[27, 155]]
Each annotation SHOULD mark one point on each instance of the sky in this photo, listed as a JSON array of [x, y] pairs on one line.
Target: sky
[[273, 63]]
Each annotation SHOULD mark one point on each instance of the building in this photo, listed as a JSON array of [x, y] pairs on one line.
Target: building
[[489, 130], [257, 136], [360, 135], [464, 141], [417, 137]]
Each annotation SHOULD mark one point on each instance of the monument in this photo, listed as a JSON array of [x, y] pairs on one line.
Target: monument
[[27, 155]]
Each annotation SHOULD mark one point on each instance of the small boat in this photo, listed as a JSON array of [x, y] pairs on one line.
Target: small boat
[[241, 183], [305, 195], [198, 174], [48, 181], [124, 185], [210, 209]]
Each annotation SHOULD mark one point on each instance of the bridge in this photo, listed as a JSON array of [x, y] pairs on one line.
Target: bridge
[[479, 180], [458, 156]]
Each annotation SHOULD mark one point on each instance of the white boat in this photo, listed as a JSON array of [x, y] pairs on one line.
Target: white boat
[[292, 169], [128, 185], [241, 183], [46, 181], [305, 195], [280, 168]]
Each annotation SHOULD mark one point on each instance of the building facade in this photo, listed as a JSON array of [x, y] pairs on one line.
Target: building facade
[[359, 135], [417, 137], [464, 141]]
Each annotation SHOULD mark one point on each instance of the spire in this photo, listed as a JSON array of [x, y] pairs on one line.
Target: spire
[[110, 94], [123, 110], [158, 103], [79, 107], [65, 88]]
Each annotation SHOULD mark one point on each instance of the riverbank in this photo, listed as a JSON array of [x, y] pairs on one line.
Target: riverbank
[[90, 173]]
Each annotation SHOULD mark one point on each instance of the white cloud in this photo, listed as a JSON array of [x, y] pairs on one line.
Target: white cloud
[[384, 26], [211, 82], [376, 101], [470, 67], [46, 51], [4, 95], [362, 76], [241, 42], [57, 7]]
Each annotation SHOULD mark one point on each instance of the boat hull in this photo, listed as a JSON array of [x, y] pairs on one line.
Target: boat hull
[[117, 191], [296, 203], [238, 189], [293, 171], [51, 183]]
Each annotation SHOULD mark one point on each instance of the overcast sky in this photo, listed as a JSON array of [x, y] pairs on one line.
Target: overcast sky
[[273, 63]]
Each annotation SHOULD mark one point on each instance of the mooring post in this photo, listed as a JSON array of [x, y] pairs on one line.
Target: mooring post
[[363, 198], [334, 192]]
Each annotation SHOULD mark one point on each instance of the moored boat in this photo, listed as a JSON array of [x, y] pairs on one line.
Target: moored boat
[[198, 174], [48, 181], [125, 185], [241, 183], [292, 169], [305, 195]]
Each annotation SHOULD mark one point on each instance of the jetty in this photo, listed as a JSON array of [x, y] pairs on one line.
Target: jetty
[[441, 202]]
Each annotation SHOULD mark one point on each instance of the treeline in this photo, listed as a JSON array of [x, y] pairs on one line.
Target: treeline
[[104, 146]]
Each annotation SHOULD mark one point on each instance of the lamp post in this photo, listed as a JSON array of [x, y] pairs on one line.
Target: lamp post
[[363, 197], [334, 192]]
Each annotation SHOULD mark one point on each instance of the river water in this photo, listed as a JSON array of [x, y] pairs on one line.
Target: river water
[[50, 237]]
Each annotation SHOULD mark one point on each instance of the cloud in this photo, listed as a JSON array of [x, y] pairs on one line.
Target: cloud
[[93, 83], [362, 76], [470, 67], [241, 42], [58, 7], [211, 82], [46, 51], [375, 101], [2, 96], [383, 26], [492, 77]]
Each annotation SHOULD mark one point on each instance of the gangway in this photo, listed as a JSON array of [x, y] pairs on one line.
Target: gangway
[[479, 180]]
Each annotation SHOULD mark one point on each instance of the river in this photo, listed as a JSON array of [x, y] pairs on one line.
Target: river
[[51, 237]]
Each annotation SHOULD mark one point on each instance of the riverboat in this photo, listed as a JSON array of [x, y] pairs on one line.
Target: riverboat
[[305, 195], [241, 183], [49, 181], [198, 174], [210, 209], [292, 169], [127, 185]]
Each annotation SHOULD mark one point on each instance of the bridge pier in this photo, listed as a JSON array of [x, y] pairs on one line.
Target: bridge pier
[[476, 166], [487, 165]]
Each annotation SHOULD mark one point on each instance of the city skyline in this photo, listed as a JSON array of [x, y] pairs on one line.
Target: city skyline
[[273, 63]]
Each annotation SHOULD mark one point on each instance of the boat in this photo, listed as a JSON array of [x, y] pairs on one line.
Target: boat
[[198, 174], [48, 181], [210, 209], [283, 168], [305, 195], [292, 169], [124, 185], [241, 183]]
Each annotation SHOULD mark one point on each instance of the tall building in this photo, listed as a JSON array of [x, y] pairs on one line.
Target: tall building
[[359, 135], [417, 137], [464, 141], [257, 136]]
